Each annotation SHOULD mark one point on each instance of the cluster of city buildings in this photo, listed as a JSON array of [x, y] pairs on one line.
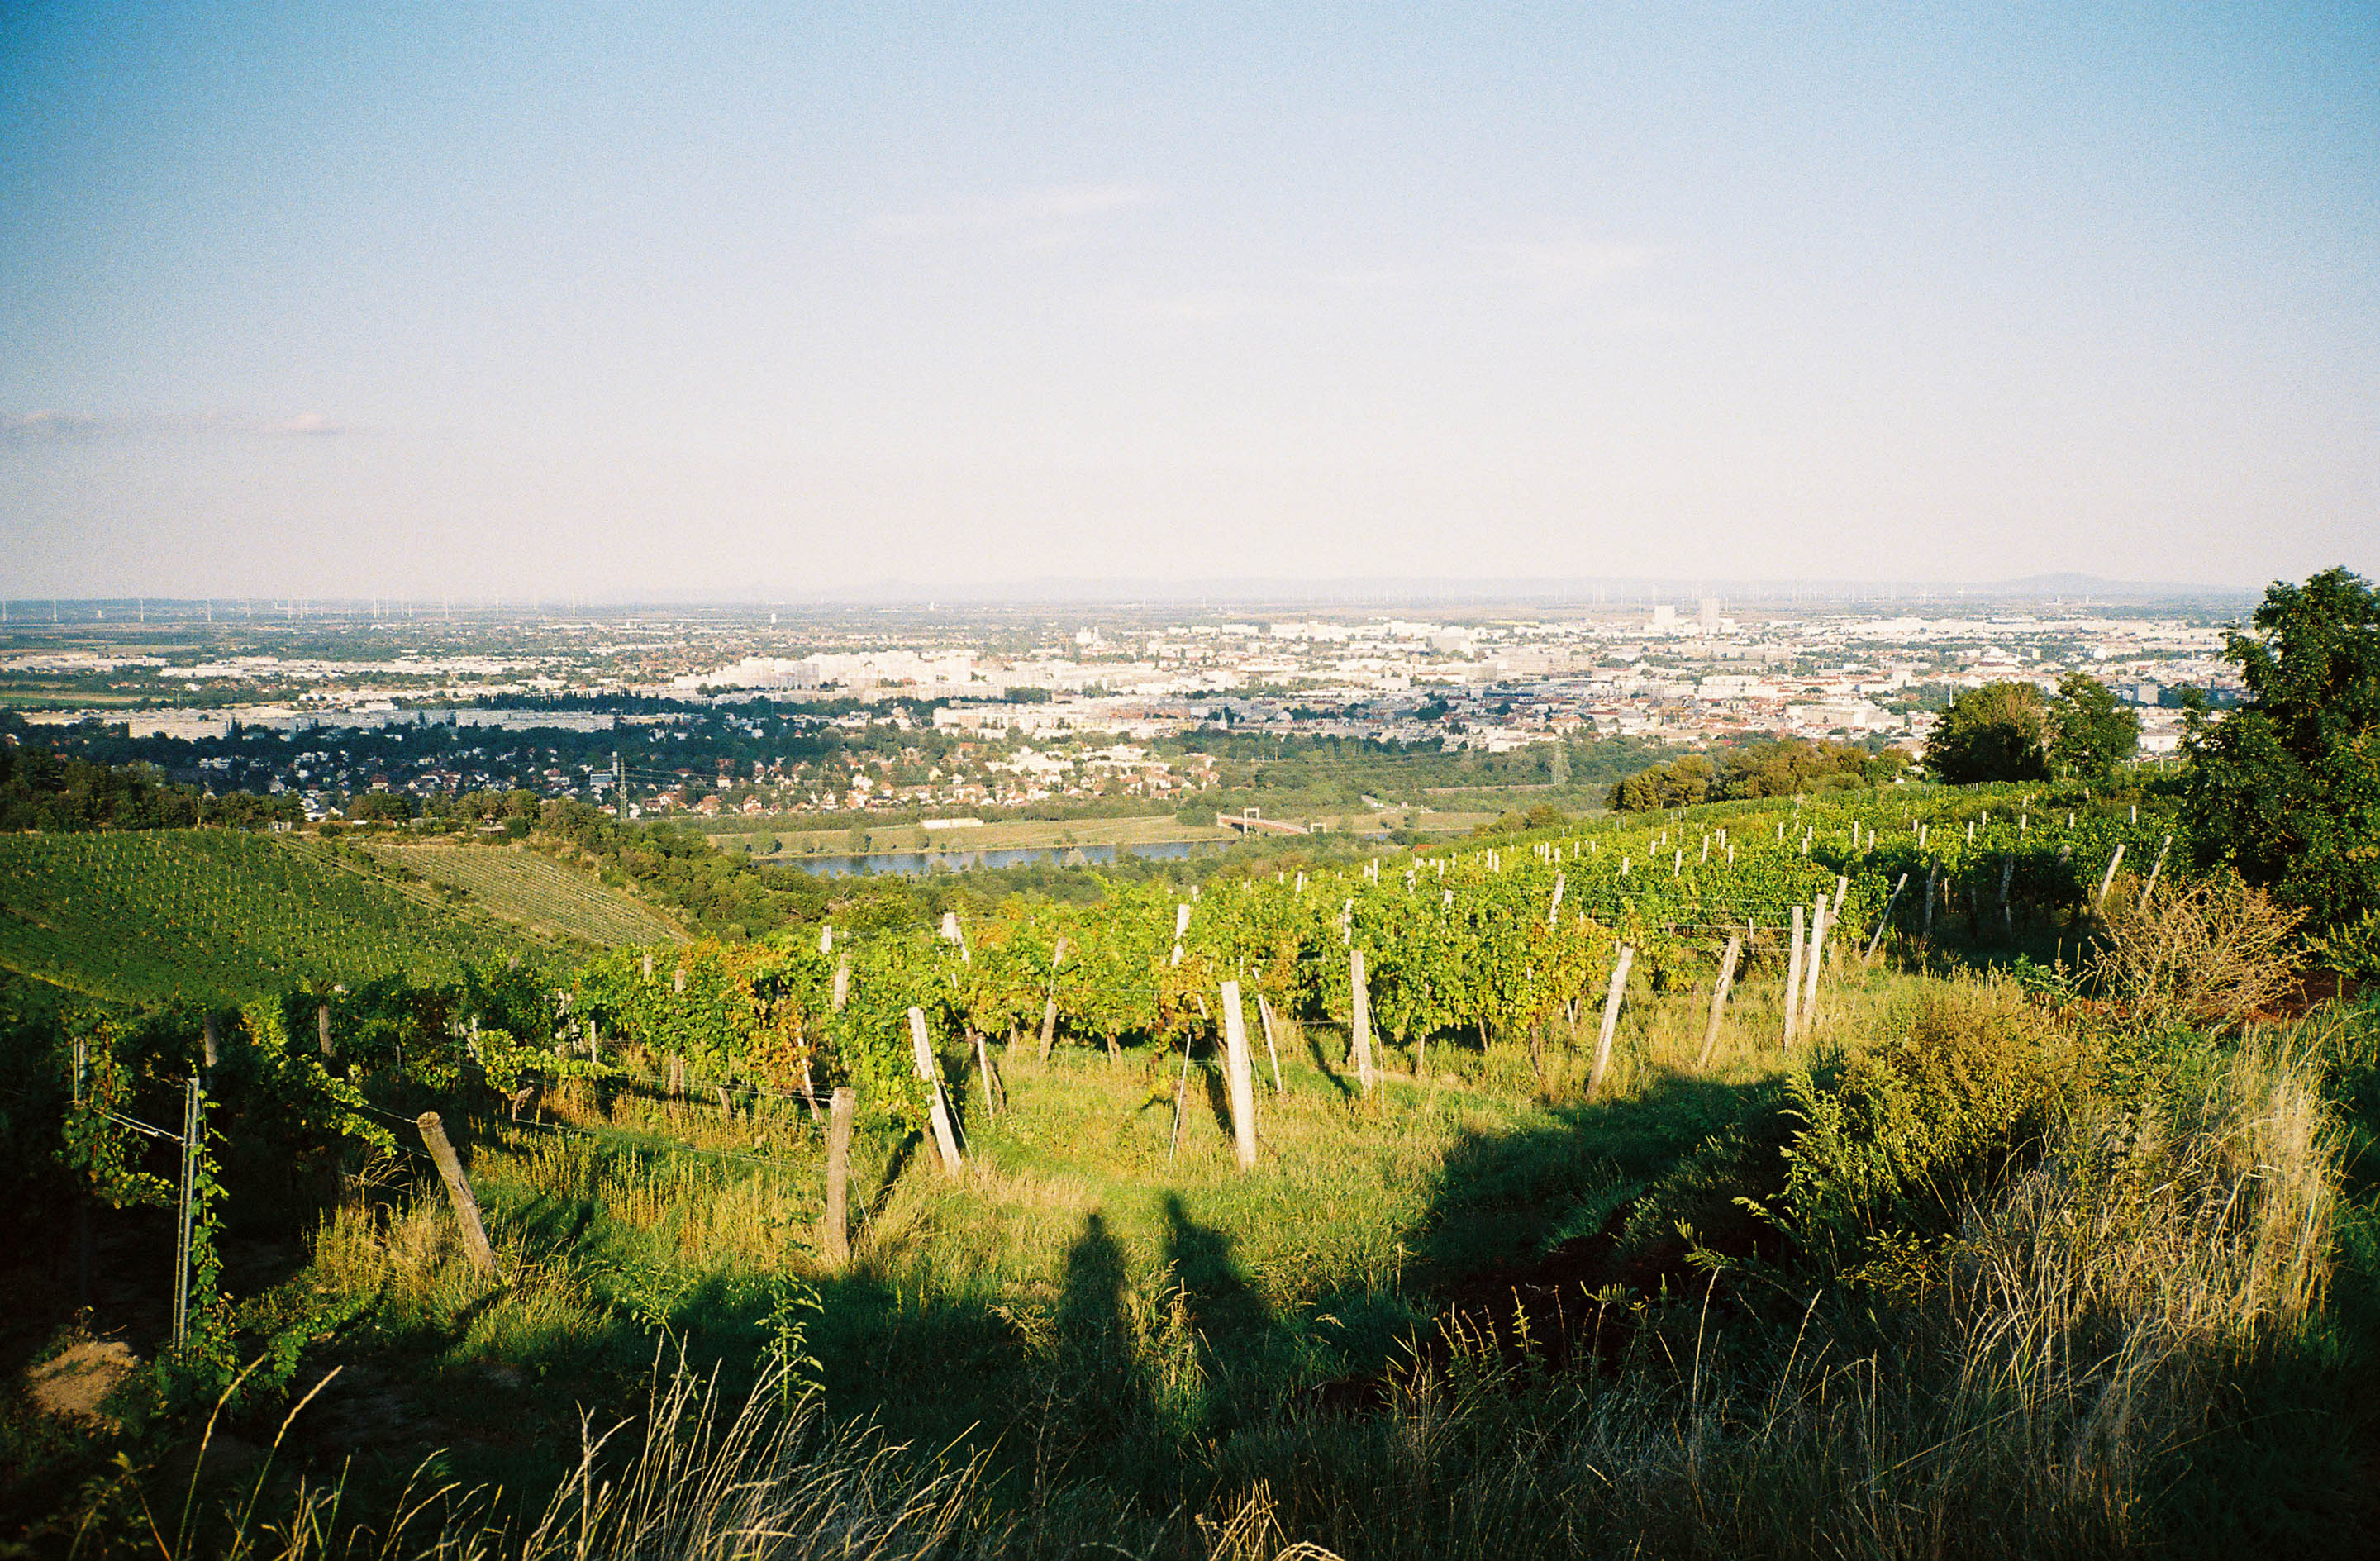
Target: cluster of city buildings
[[1076, 709], [1676, 676]]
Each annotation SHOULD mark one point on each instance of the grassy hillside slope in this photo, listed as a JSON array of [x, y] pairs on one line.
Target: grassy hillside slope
[[536, 892], [216, 916]]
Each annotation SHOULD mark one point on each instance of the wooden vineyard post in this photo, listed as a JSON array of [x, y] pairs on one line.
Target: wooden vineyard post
[[838, 1176], [1812, 963], [2008, 917], [1718, 997], [1886, 920], [1926, 932], [992, 1088], [842, 982], [945, 1138], [1793, 977], [1241, 1077], [2109, 875], [1610, 1020], [83, 1192], [214, 1040], [323, 1027], [458, 1193], [1359, 1028], [1050, 1001], [190, 1131], [1264, 1013], [2150, 888], [1181, 1095]]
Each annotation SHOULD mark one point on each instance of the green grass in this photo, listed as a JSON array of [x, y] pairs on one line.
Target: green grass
[[1122, 1349], [1081, 1346], [966, 1301], [216, 916], [518, 886]]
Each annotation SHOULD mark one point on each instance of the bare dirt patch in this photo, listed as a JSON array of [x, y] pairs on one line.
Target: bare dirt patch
[[72, 1385]]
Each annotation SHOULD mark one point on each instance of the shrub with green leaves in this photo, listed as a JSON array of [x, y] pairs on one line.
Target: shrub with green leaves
[[1895, 1143]]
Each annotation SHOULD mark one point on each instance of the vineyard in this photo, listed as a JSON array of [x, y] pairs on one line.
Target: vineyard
[[214, 916], [518, 886], [1133, 1179], [1515, 939]]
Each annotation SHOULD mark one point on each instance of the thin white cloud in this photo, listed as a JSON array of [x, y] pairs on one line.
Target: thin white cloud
[[52, 426], [1192, 306]]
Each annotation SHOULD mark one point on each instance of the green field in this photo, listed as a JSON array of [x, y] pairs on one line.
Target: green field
[[216, 916], [535, 891], [1057, 834]]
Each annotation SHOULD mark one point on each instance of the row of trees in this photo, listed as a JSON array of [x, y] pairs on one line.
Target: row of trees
[[2008, 731], [1792, 767], [40, 790], [2285, 789]]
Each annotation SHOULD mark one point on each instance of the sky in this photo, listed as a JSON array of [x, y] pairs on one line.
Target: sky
[[639, 302]]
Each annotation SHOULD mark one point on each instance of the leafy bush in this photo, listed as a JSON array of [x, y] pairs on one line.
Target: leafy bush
[[2353, 949], [1895, 1145], [1792, 766]]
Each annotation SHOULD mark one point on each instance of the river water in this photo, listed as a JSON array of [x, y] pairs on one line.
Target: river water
[[913, 863]]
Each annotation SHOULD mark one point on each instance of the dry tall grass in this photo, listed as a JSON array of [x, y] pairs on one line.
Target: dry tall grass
[[2033, 1407], [2213, 953], [709, 1480]]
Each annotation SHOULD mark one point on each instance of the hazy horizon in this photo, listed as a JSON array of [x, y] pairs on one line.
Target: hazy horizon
[[611, 304], [1265, 598]]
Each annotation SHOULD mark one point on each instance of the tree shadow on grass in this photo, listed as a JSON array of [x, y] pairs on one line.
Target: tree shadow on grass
[[1502, 1201]]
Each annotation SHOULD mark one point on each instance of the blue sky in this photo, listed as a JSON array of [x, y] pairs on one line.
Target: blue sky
[[632, 301]]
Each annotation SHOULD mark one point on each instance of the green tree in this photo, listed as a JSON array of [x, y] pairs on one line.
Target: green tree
[[390, 806], [1994, 733], [1682, 783], [2090, 735], [2286, 788], [1793, 766]]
